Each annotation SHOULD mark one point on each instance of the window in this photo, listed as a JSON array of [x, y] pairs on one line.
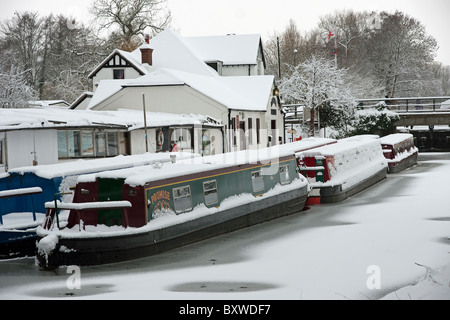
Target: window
[[100, 144], [182, 199], [119, 74], [284, 175], [233, 128], [113, 144], [210, 192], [250, 130], [74, 144], [273, 112], [257, 181], [87, 141], [62, 144], [258, 131]]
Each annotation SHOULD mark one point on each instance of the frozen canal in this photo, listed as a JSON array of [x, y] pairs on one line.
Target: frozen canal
[[390, 241]]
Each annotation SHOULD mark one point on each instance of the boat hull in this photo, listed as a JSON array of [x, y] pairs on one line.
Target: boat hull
[[399, 166], [17, 243], [337, 194], [97, 251]]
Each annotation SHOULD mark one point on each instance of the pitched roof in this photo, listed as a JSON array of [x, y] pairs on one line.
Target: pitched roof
[[131, 58], [230, 49], [176, 62]]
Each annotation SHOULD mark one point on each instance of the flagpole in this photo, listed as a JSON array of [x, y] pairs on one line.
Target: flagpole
[[335, 49]]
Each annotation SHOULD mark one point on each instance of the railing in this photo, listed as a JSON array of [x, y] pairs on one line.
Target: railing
[[410, 105], [18, 193], [53, 207]]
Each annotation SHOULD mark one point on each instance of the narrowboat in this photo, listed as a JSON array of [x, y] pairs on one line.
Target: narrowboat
[[18, 230], [24, 192], [133, 213], [339, 171], [59, 178], [400, 151]]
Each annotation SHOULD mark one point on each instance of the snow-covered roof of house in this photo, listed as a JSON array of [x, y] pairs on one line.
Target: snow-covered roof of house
[[175, 62], [131, 58], [49, 103], [45, 118], [230, 49]]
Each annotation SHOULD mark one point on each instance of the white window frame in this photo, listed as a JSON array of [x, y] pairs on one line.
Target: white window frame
[[261, 176], [175, 198], [211, 191]]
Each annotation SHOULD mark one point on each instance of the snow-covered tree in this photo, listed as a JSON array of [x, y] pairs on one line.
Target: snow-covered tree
[[400, 54], [315, 83], [14, 89]]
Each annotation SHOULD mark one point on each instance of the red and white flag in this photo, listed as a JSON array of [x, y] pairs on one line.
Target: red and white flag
[[331, 35]]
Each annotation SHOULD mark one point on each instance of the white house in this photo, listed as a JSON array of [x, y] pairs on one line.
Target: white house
[[218, 77]]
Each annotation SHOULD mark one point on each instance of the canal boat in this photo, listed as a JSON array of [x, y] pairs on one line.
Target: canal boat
[[18, 230], [339, 171], [133, 213], [400, 151]]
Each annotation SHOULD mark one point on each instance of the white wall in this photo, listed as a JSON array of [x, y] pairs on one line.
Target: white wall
[[25, 146], [167, 99], [108, 74]]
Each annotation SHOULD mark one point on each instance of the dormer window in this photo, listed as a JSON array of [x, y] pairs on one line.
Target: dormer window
[[119, 74], [216, 65]]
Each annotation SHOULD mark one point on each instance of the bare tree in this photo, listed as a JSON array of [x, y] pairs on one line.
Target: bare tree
[[131, 18], [400, 54]]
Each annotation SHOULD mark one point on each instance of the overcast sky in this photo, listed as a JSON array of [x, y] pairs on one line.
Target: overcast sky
[[213, 17]]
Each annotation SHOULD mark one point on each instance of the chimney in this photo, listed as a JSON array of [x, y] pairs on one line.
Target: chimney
[[147, 51]]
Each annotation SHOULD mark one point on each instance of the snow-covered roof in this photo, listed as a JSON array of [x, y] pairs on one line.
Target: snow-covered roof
[[237, 93], [230, 49], [34, 118], [49, 103], [393, 139], [176, 61], [131, 57]]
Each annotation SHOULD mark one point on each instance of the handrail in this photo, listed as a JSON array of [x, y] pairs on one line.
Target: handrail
[[18, 193]]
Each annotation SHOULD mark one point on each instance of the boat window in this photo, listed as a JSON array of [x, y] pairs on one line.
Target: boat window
[[284, 174], [182, 199], [210, 191], [257, 181]]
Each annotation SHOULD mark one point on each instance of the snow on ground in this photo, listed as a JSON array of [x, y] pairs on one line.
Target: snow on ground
[[391, 241]]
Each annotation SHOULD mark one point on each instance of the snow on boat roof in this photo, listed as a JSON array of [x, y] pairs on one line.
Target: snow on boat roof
[[81, 167], [142, 175], [344, 145], [393, 139]]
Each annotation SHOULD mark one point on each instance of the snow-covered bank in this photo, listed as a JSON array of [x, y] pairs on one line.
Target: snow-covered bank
[[395, 234]]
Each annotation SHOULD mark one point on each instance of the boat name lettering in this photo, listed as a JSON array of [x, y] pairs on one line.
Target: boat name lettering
[[160, 195]]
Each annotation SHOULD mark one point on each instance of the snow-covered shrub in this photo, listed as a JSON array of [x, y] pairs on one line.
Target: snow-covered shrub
[[378, 120]]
